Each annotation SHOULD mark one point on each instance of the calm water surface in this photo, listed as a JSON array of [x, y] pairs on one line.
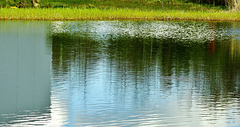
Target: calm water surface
[[119, 73]]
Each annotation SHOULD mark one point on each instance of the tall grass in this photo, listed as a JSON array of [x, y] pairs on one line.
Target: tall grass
[[233, 5], [132, 4], [114, 14]]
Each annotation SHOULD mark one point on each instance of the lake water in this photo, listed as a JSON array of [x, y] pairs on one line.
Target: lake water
[[119, 73]]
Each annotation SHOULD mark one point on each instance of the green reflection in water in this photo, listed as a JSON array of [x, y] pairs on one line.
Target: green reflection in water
[[119, 73], [199, 60]]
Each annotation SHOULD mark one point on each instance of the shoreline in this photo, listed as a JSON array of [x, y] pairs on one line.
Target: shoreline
[[74, 14]]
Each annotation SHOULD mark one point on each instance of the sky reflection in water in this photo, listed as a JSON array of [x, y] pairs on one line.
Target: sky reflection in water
[[123, 73]]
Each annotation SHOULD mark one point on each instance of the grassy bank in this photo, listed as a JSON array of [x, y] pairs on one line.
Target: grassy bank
[[130, 4], [114, 14], [119, 10]]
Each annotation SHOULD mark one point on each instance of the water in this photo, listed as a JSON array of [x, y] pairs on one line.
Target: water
[[119, 73]]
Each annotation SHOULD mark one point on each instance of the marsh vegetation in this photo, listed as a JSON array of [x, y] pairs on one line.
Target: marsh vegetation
[[114, 14], [120, 10]]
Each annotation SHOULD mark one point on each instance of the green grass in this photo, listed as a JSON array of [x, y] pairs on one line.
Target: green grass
[[130, 4], [114, 14], [119, 10]]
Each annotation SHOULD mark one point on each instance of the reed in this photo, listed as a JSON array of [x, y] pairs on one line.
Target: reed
[[233, 5], [114, 14]]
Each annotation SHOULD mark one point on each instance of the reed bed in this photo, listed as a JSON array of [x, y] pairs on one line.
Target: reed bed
[[114, 14]]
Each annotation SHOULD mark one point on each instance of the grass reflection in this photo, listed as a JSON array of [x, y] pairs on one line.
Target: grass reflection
[[209, 65]]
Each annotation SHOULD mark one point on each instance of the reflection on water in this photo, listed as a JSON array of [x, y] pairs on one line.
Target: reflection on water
[[127, 73], [24, 74], [146, 73]]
